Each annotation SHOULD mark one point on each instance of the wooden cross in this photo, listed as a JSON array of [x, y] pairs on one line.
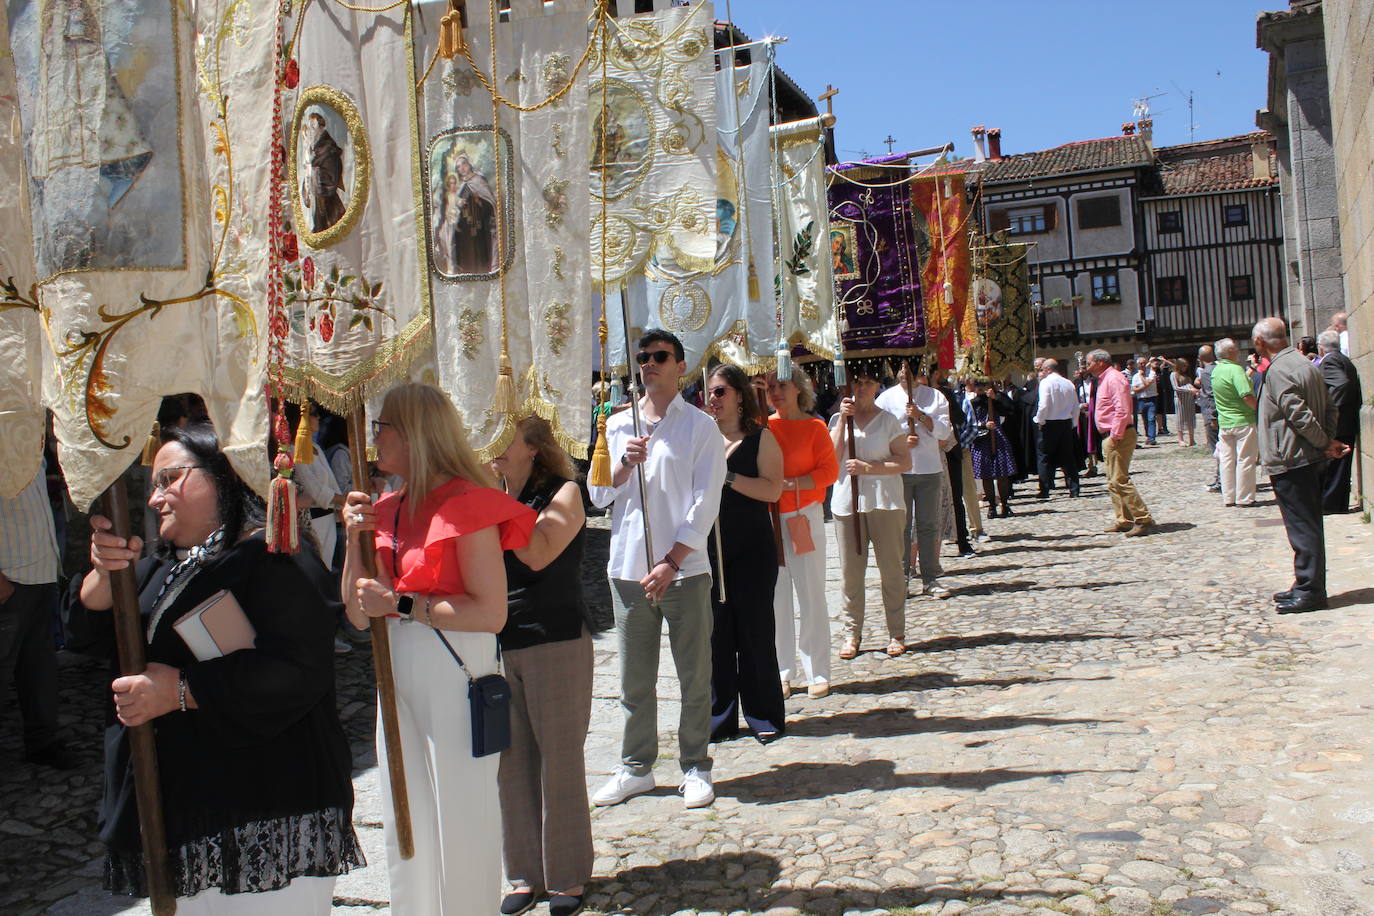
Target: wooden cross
[[889, 141], [829, 93]]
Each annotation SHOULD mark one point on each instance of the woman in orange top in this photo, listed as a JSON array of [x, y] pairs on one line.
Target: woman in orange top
[[808, 466], [441, 576]]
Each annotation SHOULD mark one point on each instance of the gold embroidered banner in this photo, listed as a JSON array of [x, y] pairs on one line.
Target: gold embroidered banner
[[808, 257], [507, 215], [653, 129], [358, 304], [143, 135]]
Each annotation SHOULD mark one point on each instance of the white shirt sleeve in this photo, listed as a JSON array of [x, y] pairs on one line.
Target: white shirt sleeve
[[617, 434], [708, 477]]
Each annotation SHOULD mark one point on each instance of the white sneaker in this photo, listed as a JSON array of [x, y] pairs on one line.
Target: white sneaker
[[696, 788], [983, 537], [621, 786], [934, 589]]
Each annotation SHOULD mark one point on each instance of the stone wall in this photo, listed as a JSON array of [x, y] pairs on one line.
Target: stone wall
[[1350, 61]]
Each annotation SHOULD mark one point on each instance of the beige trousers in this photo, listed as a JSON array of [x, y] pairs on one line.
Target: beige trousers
[[883, 529], [972, 511], [1116, 455], [1239, 457]]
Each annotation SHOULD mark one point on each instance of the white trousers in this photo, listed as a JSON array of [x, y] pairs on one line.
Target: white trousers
[[1238, 453], [454, 805], [302, 897], [805, 576]]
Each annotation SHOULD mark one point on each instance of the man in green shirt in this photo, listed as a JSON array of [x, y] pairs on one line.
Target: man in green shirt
[[1238, 442]]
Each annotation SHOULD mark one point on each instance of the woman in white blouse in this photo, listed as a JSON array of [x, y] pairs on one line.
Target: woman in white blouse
[[881, 452]]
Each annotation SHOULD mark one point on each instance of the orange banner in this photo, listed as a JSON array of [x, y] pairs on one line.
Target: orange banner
[[942, 212]]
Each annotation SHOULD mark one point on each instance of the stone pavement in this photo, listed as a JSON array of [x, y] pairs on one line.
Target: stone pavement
[[1091, 725]]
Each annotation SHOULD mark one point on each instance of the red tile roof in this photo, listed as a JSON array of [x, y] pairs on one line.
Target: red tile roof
[[1083, 156], [1214, 165]]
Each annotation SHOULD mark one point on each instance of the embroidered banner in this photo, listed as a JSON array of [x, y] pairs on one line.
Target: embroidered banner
[[653, 120], [727, 308], [808, 263], [872, 242], [359, 311], [507, 216], [143, 134], [940, 213], [1000, 301]]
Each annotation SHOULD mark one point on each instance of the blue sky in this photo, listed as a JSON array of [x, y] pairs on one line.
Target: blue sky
[[1045, 71]]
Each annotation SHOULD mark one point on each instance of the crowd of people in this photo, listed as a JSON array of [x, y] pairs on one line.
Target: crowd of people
[[718, 512]]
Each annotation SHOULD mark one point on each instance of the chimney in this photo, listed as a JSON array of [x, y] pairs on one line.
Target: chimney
[[1128, 129], [1147, 131], [979, 154], [1259, 158], [995, 144]]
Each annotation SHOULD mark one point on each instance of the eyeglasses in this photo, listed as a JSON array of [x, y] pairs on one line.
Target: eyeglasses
[[658, 356], [718, 392], [377, 427], [165, 479]]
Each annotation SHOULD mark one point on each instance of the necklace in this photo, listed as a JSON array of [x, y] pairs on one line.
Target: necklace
[[181, 574]]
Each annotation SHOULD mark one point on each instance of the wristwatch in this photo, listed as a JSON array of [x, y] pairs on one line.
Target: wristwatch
[[729, 478], [625, 460], [405, 604]]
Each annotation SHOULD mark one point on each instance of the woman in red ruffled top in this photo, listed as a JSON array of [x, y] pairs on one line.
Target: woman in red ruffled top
[[440, 578]]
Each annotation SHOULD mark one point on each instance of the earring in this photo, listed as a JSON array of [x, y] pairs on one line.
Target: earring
[[740, 411]]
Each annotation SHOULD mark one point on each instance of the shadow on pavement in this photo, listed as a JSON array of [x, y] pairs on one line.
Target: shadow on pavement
[[1169, 527], [1057, 548], [941, 680], [1352, 598], [796, 781], [1001, 638], [1027, 585], [887, 723]]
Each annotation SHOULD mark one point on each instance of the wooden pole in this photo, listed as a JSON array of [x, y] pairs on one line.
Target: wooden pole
[[381, 652], [129, 642]]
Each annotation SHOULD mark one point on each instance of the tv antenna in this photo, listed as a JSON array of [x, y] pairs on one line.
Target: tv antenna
[[1140, 108], [1192, 125]]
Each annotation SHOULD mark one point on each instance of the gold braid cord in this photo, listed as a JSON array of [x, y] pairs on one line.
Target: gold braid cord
[[599, 475]]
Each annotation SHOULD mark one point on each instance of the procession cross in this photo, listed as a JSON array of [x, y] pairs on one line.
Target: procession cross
[[829, 93], [889, 141]]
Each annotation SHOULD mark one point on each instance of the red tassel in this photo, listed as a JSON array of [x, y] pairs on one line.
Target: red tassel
[[282, 534]]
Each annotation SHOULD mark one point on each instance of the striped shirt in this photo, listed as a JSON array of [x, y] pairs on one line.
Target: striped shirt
[[28, 539]]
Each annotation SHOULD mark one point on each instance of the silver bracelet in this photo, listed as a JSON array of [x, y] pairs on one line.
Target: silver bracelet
[[181, 689]]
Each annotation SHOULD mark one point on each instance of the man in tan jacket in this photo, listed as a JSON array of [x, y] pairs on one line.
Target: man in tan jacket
[[1297, 429]]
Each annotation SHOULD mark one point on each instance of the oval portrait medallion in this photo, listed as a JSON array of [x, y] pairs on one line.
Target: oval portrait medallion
[[330, 166]]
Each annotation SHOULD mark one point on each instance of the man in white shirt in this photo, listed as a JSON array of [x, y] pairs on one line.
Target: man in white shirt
[[1056, 415], [1145, 391], [928, 413], [29, 567], [667, 576], [1340, 324]]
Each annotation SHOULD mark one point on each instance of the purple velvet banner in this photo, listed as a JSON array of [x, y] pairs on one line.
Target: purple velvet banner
[[874, 243]]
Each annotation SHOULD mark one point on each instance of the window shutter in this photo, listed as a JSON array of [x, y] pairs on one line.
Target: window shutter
[[998, 222], [1051, 217]]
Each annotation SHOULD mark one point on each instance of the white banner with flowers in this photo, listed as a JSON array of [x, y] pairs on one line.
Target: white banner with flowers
[[352, 273]]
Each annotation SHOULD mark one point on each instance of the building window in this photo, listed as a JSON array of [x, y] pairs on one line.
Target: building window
[[1171, 290], [1235, 215], [1099, 212], [1170, 221], [1106, 289], [1241, 287], [1026, 220]]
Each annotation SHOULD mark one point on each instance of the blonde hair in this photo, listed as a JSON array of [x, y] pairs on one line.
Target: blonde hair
[[433, 429], [806, 389], [549, 457]]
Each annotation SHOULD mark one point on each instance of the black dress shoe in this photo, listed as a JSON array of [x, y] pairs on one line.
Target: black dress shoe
[[55, 755], [565, 905], [1301, 605], [1285, 595], [518, 902]]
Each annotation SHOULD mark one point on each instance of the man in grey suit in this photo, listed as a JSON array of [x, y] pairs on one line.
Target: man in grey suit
[[1297, 437], [1343, 383], [1206, 362]]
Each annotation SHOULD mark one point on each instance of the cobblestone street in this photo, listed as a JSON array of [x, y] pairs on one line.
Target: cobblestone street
[[1090, 725]]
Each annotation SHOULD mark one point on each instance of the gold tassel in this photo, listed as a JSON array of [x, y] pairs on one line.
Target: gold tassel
[[152, 445], [506, 400], [451, 40], [304, 452], [754, 293], [600, 473]]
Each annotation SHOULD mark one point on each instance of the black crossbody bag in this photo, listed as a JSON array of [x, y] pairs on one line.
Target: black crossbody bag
[[488, 696]]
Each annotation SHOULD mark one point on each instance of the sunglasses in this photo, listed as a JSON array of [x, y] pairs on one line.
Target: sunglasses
[[658, 356], [718, 392]]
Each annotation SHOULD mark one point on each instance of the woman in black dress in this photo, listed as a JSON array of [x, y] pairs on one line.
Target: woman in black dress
[[744, 566], [253, 764]]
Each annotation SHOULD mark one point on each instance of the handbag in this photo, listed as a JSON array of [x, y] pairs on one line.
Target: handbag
[[799, 529], [489, 705]]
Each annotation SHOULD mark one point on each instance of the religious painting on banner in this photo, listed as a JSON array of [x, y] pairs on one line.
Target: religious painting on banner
[[356, 297], [941, 217], [720, 308], [1000, 300], [880, 304], [135, 165], [506, 214], [653, 144]]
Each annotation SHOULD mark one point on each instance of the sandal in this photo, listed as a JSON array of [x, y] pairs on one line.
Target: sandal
[[895, 648], [850, 648]]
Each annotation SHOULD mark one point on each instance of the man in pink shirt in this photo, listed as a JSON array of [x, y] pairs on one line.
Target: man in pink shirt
[[1114, 414]]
